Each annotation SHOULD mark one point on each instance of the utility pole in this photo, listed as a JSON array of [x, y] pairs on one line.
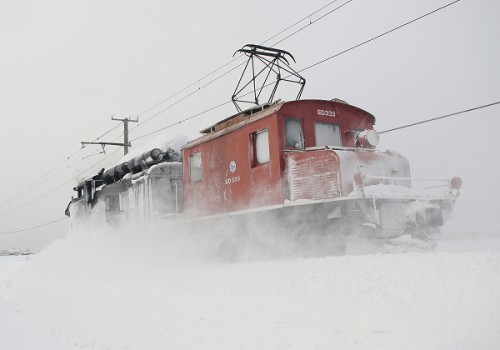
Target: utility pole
[[126, 144], [125, 122]]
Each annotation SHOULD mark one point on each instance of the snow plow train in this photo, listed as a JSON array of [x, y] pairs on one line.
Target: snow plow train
[[305, 168]]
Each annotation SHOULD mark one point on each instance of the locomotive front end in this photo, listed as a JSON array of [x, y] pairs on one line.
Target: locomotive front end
[[368, 193]]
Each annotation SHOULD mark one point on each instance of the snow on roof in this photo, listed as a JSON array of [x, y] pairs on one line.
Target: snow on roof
[[163, 142]]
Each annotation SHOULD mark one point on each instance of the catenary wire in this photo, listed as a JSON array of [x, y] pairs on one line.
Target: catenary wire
[[36, 182], [184, 120], [441, 117], [311, 22], [197, 81], [34, 227], [58, 187], [380, 35], [46, 176], [226, 72], [303, 69], [297, 22]]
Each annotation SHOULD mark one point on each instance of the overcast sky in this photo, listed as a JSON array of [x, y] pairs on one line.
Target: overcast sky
[[66, 67]]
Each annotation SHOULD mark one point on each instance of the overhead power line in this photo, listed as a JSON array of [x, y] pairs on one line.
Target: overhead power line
[[58, 187], [184, 120], [301, 70], [379, 36], [34, 227], [309, 16], [40, 180], [311, 21], [200, 87], [227, 72], [441, 117], [215, 70], [63, 184], [36, 182]]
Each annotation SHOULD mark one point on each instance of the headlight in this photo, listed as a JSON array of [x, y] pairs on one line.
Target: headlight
[[456, 183], [368, 138]]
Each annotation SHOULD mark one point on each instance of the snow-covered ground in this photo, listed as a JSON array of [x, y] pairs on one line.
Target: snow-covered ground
[[124, 291]]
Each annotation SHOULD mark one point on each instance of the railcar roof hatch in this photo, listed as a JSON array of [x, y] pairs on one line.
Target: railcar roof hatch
[[235, 118]]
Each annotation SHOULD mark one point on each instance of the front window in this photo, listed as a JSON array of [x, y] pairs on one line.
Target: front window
[[294, 137], [327, 134], [195, 170]]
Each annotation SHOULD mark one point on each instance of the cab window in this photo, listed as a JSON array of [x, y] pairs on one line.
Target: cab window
[[259, 143], [294, 137], [195, 169], [327, 134]]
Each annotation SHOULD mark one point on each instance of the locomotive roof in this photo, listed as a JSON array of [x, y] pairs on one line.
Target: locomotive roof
[[221, 124], [236, 121], [239, 119]]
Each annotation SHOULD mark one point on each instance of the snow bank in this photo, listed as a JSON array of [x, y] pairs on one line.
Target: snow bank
[[10, 265], [124, 291]]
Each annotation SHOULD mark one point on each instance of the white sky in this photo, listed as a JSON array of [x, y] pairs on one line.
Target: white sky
[[67, 66]]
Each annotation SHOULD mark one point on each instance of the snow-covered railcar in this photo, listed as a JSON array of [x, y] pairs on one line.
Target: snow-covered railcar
[[136, 195]]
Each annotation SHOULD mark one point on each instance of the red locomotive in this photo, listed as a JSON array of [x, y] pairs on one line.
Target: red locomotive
[[305, 168]]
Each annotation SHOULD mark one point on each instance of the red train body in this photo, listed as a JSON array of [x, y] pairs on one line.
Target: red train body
[[296, 164]]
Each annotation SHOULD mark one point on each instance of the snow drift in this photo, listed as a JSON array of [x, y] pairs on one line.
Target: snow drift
[[118, 290]]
